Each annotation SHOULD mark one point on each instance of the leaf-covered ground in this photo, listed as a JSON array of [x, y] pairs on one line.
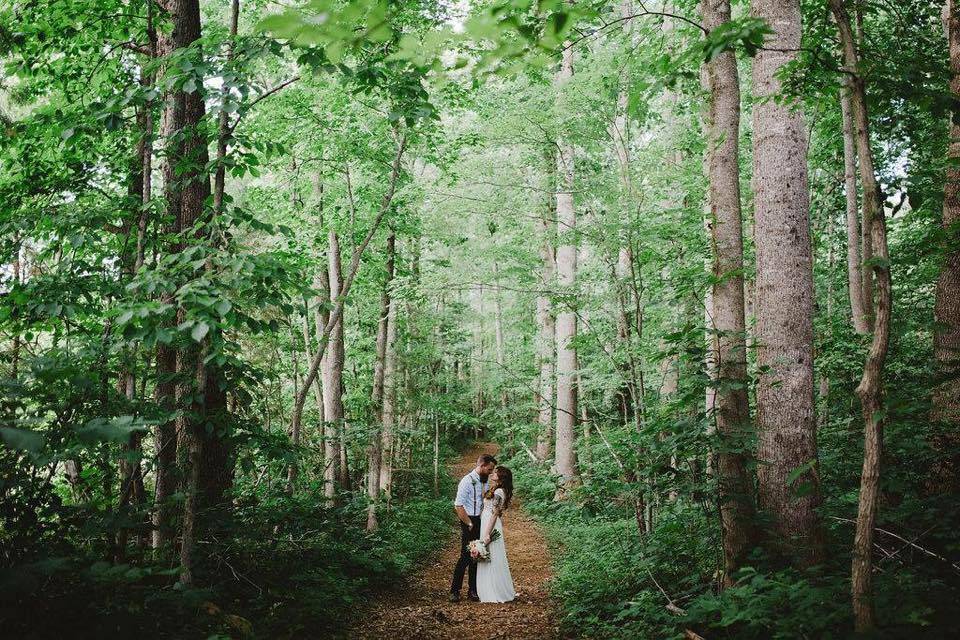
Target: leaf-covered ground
[[419, 608]]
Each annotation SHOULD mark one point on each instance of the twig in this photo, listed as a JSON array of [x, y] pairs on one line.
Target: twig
[[266, 94], [932, 554]]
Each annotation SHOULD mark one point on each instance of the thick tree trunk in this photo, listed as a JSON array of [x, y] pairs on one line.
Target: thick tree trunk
[[165, 438], [945, 410], [731, 404], [546, 326], [859, 304], [333, 379], [374, 448], [199, 397], [870, 389], [789, 484], [218, 456], [566, 327]]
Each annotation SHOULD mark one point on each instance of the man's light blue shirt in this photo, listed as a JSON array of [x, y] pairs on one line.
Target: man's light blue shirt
[[470, 493]]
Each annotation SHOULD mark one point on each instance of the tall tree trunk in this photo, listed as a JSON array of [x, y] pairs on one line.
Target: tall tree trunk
[[859, 304], [498, 330], [218, 455], [786, 421], [187, 188], [333, 378], [389, 403], [566, 327], [945, 408], [628, 393], [131, 471], [870, 389], [732, 407], [375, 448], [546, 326], [165, 441]]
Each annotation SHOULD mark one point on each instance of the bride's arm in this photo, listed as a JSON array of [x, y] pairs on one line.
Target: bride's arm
[[497, 510]]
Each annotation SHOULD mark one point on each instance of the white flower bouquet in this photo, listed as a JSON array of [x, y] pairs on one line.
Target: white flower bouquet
[[479, 551]]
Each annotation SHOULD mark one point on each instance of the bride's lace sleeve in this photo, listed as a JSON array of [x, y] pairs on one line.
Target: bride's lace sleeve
[[498, 498]]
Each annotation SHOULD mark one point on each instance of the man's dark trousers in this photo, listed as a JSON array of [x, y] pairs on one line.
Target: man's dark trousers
[[466, 562]]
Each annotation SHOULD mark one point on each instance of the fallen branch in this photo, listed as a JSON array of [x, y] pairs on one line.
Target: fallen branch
[[909, 543]]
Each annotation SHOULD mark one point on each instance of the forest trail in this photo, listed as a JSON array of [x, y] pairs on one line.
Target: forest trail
[[419, 609]]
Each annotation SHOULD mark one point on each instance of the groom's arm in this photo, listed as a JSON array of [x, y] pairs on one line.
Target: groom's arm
[[458, 504], [464, 518]]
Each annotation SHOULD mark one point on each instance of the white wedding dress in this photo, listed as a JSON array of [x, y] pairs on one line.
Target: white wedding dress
[[494, 582]]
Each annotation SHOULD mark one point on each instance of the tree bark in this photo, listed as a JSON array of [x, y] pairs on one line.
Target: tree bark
[[389, 403], [374, 448], [859, 304], [546, 326], [728, 330], [870, 390], [333, 378], [500, 341], [945, 410], [566, 325], [786, 421]]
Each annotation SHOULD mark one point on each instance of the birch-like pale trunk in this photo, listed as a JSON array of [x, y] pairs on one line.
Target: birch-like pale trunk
[[859, 305], [389, 402], [374, 447], [498, 331], [789, 482], [566, 325], [546, 325]]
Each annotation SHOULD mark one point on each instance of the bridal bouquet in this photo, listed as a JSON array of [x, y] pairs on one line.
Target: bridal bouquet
[[479, 551]]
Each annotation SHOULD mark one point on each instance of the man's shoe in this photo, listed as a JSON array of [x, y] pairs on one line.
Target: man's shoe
[[473, 597], [454, 597]]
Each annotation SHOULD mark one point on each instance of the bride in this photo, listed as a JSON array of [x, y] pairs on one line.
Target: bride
[[494, 582]]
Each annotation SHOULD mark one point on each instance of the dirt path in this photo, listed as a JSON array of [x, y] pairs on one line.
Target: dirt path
[[420, 609]]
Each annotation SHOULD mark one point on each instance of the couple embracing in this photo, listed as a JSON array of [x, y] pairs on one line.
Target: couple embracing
[[483, 495]]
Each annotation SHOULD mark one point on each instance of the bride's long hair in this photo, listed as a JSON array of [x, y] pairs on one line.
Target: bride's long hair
[[505, 482]]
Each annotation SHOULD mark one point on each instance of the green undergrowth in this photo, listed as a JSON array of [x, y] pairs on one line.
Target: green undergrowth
[[611, 583], [284, 567]]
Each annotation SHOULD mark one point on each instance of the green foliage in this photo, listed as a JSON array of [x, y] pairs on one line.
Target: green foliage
[[290, 567]]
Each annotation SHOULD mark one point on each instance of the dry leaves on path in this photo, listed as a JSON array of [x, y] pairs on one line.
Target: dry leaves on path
[[419, 609]]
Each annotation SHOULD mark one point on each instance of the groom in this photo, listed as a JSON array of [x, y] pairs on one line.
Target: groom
[[469, 505]]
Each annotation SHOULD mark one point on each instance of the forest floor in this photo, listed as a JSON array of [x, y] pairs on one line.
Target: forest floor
[[419, 608]]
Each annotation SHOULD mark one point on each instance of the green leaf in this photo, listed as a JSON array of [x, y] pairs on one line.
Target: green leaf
[[199, 331], [799, 471], [117, 429], [22, 439]]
